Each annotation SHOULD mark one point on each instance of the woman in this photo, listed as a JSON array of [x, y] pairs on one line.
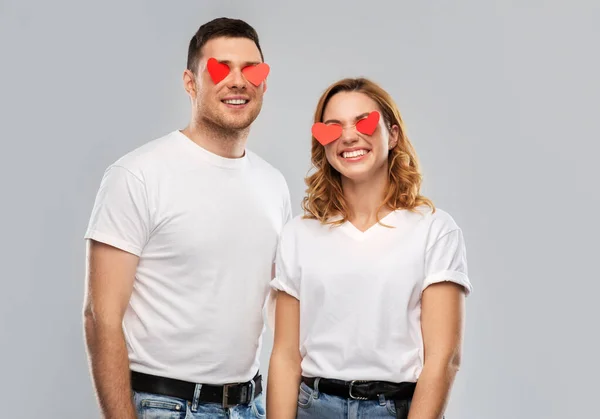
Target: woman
[[371, 279]]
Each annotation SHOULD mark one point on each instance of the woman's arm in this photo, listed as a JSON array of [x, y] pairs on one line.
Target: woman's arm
[[284, 366], [442, 321]]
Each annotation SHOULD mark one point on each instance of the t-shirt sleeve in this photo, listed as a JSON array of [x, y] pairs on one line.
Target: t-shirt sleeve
[[446, 260], [287, 206], [287, 272], [120, 215], [286, 211]]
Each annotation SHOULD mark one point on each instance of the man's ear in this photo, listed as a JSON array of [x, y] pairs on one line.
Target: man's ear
[[189, 83]]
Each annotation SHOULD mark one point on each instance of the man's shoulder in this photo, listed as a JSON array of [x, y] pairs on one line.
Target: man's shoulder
[[266, 169], [147, 156], [260, 163]]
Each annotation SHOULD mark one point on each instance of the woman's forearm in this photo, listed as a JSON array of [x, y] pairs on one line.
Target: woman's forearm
[[282, 386], [433, 390]]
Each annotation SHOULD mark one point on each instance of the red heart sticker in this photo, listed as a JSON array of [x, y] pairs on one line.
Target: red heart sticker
[[369, 124], [218, 71], [256, 74], [325, 134]]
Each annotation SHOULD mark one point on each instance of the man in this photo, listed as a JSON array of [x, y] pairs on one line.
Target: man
[[182, 240]]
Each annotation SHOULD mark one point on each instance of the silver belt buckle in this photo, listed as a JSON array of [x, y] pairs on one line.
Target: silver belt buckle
[[225, 402], [350, 391], [245, 397]]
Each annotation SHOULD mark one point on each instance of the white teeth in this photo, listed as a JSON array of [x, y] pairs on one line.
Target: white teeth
[[235, 101], [351, 154]]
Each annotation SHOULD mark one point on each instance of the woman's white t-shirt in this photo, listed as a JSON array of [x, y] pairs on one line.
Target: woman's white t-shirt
[[360, 292]]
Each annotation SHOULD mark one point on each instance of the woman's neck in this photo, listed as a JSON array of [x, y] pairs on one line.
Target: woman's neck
[[364, 199]]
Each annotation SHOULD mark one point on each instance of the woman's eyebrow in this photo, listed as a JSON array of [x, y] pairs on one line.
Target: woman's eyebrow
[[335, 121]]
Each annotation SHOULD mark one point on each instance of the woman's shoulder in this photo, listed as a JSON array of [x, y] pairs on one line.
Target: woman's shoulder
[[436, 218], [298, 223], [302, 225]]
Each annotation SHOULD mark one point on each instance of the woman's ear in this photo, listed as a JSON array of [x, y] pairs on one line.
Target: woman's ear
[[394, 134]]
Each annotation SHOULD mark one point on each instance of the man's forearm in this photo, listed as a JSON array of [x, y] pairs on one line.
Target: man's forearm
[[432, 392], [282, 388], [109, 363]]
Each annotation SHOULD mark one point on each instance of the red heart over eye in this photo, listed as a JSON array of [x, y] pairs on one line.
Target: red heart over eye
[[369, 124], [326, 133], [256, 74], [218, 71]]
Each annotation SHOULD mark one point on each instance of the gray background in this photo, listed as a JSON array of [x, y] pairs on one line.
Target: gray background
[[500, 100]]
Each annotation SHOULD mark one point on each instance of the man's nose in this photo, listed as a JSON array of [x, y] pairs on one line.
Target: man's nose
[[236, 80]]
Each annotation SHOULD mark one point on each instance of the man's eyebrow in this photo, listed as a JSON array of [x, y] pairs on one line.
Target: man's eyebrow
[[244, 63], [358, 118]]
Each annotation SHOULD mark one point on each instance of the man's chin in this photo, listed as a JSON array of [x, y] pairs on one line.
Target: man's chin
[[236, 124], [235, 127], [230, 123]]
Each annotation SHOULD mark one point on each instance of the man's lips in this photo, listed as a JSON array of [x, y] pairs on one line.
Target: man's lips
[[236, 100]]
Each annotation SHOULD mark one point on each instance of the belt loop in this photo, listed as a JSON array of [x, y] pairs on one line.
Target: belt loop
[[381, 400], [401, 409], [196, 399], [316, 387], [252, 386]]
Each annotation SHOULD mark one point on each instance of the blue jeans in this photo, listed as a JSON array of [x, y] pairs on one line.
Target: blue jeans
[[155, 406], [313, 404]]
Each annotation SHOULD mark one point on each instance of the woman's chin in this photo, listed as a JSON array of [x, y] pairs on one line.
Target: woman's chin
[[356, 174]]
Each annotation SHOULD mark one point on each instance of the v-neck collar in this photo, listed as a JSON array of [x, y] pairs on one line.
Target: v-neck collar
[[351, 230]]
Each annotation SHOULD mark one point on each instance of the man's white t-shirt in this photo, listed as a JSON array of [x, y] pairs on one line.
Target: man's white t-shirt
[[206, 230], [360, 292]]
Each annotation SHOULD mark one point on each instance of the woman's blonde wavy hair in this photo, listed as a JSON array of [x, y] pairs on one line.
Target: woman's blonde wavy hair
[[324, 196]]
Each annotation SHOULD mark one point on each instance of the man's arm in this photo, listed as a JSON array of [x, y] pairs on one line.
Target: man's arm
[[442, 319], [110, 273], [284, 365]]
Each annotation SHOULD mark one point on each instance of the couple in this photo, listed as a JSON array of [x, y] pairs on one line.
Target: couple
[[191, 236]]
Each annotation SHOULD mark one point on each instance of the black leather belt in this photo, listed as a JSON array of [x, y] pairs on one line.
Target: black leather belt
[[227, 395], [363, 390]]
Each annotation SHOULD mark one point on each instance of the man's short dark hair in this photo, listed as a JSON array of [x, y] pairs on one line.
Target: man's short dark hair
[[220, 27]]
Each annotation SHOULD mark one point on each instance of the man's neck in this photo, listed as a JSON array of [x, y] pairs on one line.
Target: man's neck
[[229, 144]]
